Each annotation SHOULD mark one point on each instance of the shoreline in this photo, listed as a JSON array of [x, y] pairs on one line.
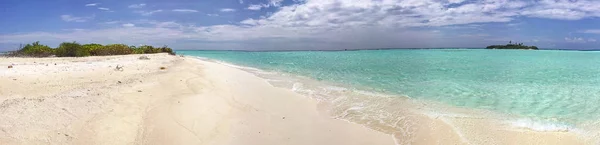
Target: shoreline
[[465, 123], [193, 101]]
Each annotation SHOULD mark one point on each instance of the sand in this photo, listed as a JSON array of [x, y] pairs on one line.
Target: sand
[[80, 101], [191, 101]]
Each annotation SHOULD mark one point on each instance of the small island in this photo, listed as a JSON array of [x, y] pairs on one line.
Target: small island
[[511, 45]]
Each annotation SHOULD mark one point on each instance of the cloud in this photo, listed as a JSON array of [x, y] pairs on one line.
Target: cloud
[[92, 4], [275, 3], [565, 14], [579, 40], [137, 6], [241, 1], [212, 15], [111, 22], [170, 24], [104, 9], [514, 24], [272, 3], [148, 13], [127, 35], [69, 18], [592, 31], [575, 40], [562, 9], [128, 25], [227, 10], [256, 7], [185, 10]]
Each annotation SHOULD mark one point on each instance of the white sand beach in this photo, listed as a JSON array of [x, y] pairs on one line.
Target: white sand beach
[[190, 101], [80, 101]]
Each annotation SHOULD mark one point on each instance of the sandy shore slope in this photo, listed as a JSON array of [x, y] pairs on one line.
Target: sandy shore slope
[[88, 101]]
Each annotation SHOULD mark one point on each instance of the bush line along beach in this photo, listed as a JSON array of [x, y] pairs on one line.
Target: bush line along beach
[[74, 49]]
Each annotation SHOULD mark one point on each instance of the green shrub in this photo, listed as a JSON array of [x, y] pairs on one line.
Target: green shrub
[[147, 49], [91, 48], [35, 50], [136, 50], [71, 49], [113, 49], [167, 50]]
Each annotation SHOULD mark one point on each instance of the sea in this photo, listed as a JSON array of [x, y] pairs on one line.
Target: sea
[[542, 90]]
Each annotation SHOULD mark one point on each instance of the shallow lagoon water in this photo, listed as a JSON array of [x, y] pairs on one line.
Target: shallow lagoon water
[[558, 87]]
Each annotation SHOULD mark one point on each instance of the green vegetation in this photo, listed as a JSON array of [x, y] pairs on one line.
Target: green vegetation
[[74, 49], [510, 45], [71, 49], [92, 48], [113, 49], [35, 50]]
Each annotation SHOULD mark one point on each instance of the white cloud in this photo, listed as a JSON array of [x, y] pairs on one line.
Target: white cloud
[[168, 25], [575, 40], [104, 9], [592, 31], [256, 7], [227, 10], [128, 25], [472, 35], [275, 3], [579, 40], [111, 22], [272, 3], [563, 9], [148, 13], [127, 35], [241, 1], [185, 10], [513, 24], [455, 1], [70, 18], [565, 14], [249, 22], [137, 6], [212, 15], [92, 4]]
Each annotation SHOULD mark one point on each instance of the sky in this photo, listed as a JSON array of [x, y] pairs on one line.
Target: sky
[[302, 24]]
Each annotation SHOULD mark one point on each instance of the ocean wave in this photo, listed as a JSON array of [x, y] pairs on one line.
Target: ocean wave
[[538, 125]]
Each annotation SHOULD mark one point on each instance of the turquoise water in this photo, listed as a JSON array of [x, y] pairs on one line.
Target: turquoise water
[[562, 86]]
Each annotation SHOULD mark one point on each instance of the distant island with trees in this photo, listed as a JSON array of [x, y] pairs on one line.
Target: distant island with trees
[[511, 45]]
